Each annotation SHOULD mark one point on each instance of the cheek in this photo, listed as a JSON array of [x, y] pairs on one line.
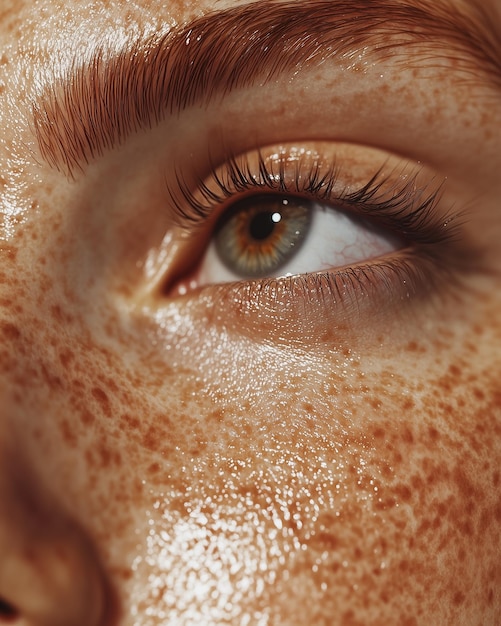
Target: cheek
[[361, 491], [379, 491]]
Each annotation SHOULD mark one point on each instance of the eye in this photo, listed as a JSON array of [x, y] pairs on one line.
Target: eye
[[271, 235], [294, 212]]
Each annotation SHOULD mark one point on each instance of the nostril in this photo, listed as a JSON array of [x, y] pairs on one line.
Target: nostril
[[50, 573], [8, 613]]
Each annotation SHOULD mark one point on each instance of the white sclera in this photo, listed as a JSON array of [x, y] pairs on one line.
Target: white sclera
[[335, 240]]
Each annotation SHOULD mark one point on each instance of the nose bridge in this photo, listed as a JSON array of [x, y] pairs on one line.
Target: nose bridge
[[49, 573]]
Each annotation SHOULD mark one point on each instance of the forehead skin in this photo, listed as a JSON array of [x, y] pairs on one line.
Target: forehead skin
[[179, 470]]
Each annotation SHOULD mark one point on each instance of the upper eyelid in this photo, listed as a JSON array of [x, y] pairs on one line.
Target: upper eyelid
[[96, 105], [410, 206]]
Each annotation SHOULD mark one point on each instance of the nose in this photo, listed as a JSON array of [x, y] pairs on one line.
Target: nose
[[49, 573]]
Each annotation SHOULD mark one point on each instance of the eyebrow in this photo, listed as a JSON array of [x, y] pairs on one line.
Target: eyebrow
[[95, 106]]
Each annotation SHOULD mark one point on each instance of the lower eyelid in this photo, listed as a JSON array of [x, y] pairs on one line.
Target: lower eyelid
[[342, 305]]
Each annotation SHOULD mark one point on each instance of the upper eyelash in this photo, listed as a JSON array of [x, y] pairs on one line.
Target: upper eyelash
[[410, 211]]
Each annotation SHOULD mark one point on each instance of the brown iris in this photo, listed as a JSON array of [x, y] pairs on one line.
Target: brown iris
[[261, 233]]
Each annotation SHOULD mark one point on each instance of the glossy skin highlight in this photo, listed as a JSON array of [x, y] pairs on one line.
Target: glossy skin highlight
[[234, 456]]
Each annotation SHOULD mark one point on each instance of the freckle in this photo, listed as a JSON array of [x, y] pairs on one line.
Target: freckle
[[403, 492], [66, 357], [495, 478], [407, 435], [447, 408], [102, 399], [198, 449], [413, 346], [154, 468], [87, 418], [433, 433], [417, 483], [152, 439], [478, 330], [375, 403], [455, 370], [124, 574], [105, 455], [329, 337], [9, 331], [348, 617], [216, 415], [478, 393], [464, 484], [60, 315], [442, 509], [496, 399], [471, 347], [46, 285], [434, 476], [465, 529], [68, 434], [89, 456], [79, 390], [407, 404], [132, 423], [459, 598], [53, 381], [383, 504], [8, 252]]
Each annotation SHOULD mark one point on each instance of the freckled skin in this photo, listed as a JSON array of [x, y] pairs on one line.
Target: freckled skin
[[202, 474]]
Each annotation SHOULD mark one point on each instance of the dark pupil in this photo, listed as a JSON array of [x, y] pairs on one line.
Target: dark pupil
[[261, 225]]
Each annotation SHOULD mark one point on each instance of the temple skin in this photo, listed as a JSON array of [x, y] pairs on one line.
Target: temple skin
[[292, 451]]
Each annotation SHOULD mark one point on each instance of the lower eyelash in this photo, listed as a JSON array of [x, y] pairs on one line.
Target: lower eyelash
[[336, 299]]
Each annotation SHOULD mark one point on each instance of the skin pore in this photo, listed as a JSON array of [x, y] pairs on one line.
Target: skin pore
[[314, 449]]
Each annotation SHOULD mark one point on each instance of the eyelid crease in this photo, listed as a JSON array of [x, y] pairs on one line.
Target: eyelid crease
[[409, 210], [95, 104]]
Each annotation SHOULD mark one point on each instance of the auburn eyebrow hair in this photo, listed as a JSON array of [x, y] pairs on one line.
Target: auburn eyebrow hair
[[97, 104]]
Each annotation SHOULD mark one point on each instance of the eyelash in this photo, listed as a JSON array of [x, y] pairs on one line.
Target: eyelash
[[410, 212]]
